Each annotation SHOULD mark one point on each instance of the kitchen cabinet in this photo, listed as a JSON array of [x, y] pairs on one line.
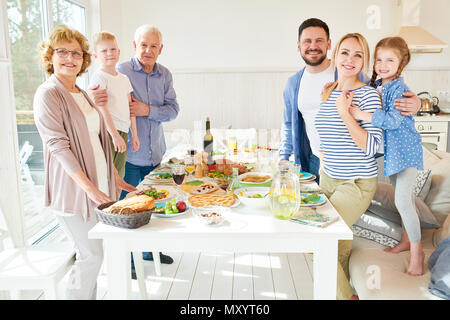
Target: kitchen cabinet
[[434, 130]]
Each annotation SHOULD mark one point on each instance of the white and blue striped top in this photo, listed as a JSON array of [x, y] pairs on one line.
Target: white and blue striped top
[[343, 159]]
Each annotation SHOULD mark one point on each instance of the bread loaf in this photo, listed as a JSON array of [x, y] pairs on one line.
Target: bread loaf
[[132, 205]]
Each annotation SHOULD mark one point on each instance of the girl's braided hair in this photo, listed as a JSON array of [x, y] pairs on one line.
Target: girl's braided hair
[[400, 48]]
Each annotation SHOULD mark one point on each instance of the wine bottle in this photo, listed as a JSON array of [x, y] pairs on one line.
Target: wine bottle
[[208, 141]]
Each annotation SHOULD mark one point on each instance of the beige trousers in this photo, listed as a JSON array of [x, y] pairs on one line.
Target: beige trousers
[[350, 198]]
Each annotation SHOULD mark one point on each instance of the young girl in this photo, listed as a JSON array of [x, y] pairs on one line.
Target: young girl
[[402, 143]]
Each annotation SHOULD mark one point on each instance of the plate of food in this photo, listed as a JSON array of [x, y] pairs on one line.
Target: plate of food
[[303, 176], [255, 178], [207, 200], [192, 184], [312, 199], [159, 194], [160, 177], [170, 209]]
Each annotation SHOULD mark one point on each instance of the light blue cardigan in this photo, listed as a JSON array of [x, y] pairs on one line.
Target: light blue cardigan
[[402, 142]]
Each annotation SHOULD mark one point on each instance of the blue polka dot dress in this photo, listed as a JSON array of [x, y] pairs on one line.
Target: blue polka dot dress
[[402, 142]]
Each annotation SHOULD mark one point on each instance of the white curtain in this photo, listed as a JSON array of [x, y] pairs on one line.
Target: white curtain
[[10, 193]]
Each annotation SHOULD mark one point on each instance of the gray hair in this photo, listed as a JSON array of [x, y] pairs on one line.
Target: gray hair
[[144, 29]]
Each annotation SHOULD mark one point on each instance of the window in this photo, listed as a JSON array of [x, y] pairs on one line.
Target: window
[[29, 21]]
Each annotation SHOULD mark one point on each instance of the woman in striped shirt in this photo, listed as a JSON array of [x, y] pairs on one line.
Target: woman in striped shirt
[[348, 174]]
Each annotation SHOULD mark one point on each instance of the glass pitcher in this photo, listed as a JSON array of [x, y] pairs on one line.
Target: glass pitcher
[[284, 196]]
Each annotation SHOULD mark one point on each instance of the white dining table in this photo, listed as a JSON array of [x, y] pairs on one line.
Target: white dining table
[[244, 230]]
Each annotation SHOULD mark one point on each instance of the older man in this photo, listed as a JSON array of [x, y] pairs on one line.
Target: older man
[[153, 102]]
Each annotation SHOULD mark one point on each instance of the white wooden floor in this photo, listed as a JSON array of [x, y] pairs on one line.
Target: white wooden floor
[[224, 276]]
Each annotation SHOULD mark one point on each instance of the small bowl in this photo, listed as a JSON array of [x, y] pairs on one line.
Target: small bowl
[[245, 195], [211, 216]]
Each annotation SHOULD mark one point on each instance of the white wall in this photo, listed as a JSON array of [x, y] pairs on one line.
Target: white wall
[[236, 34], [231, 58]]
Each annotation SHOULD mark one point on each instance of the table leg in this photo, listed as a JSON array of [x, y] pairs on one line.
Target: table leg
[[118, 270], [140, 273], [325, 270], [157, 262]]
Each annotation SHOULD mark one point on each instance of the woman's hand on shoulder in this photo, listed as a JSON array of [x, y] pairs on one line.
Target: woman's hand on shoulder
[[326, 87]]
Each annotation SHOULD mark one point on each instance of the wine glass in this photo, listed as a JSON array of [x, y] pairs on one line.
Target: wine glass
[[178, 174]]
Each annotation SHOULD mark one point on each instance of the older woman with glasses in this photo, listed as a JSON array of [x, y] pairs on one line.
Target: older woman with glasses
[[79, 171]]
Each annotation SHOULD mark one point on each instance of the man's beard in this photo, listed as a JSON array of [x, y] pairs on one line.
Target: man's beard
[[313, 64]]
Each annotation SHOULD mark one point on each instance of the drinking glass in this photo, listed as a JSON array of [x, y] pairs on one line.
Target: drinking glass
[[178, 174], [190, 166], [232, 143]]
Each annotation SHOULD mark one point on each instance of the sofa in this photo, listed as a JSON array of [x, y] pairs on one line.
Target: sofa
[[379, 275]]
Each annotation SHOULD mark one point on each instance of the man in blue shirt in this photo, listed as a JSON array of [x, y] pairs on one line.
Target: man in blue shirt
[[153, 102], [302, 97]]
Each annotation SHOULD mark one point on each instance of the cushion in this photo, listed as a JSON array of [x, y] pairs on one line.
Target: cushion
[[441, 154], [376, 274], [429, 158], [442, 233], [383, 205], [438, 198], [423, 183], [375, 228]]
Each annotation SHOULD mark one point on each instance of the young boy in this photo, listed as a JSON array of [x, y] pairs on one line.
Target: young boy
[[118, 86]]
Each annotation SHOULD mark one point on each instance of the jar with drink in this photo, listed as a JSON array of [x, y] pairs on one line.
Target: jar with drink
[[284, 195]]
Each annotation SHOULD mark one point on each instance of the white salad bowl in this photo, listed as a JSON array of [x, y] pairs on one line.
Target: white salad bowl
[[246, 196]]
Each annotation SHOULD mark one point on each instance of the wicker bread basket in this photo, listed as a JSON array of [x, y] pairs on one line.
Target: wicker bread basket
[[129, 221]]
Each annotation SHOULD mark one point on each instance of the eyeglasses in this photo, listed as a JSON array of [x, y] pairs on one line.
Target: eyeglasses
[[64, 53]]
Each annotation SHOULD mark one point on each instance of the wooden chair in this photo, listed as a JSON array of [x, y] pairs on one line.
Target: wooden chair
[[35, 267]]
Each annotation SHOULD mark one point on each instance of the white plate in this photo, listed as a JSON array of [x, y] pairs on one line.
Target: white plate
[[173, 215], [242, 176]]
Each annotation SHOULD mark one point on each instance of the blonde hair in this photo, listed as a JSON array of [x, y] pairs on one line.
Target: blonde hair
[[400, 49], [366, 58], [144, 29], [102, 36], [59, 34]]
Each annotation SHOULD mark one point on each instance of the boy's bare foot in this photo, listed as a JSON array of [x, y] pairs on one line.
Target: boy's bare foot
[[354, 297]]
